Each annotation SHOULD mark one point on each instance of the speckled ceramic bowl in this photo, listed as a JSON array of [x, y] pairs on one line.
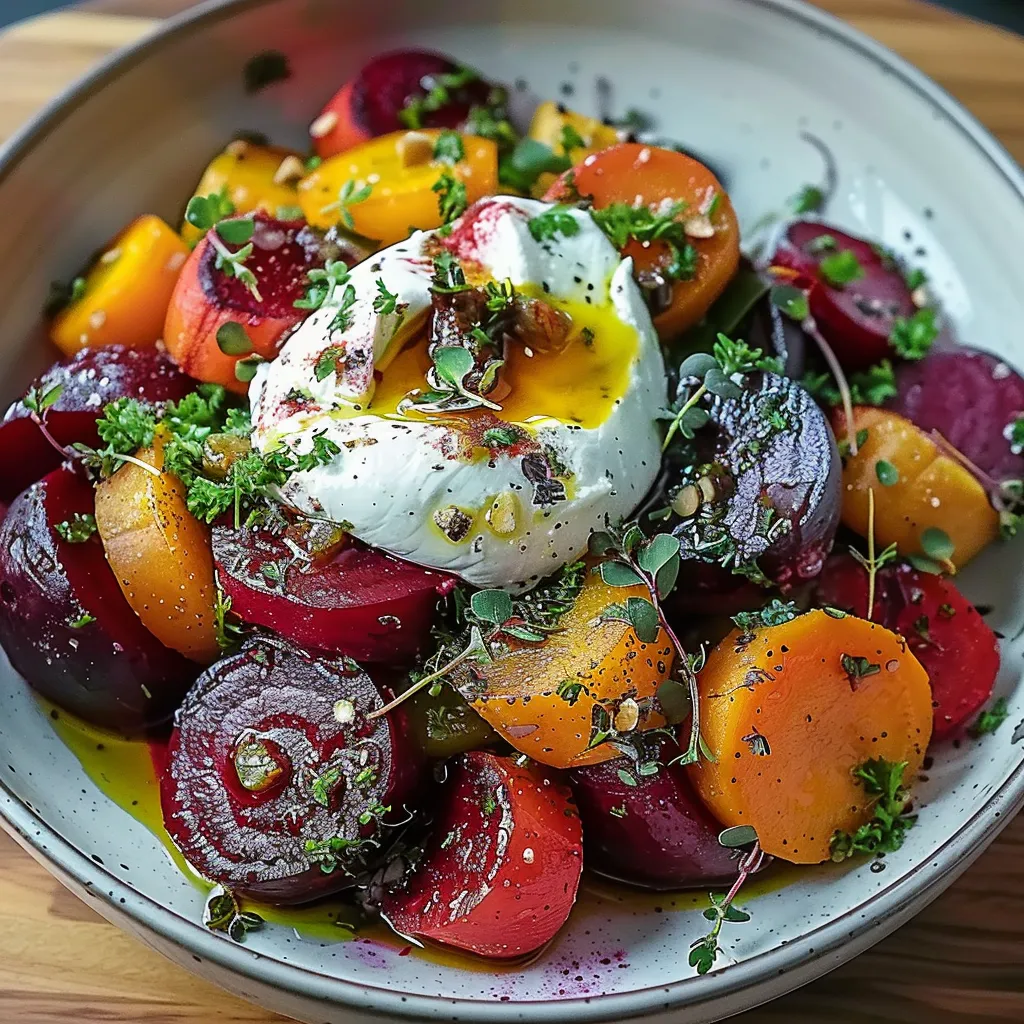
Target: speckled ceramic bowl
[[738, 80]]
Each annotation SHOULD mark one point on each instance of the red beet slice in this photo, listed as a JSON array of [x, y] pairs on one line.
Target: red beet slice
[[776, 477], [971, 398], [389, 82], [942, 628], [652, 830], [283, 253], [500, 873], [65, 624], [352, 601], [88, 382], [277, 785], [857, 318]]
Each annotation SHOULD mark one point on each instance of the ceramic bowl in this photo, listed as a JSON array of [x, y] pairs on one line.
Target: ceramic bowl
[[738, 81]]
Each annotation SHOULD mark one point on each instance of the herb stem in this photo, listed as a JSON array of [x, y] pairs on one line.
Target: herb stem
[[677, 422], [811, 327], [152, 470], [229, 257], [872, 564]]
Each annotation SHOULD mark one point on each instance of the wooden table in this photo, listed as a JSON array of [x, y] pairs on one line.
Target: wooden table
[[960, 961]]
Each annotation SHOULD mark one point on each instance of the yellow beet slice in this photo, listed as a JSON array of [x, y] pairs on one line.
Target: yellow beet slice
[[788, 722], [161, 556]]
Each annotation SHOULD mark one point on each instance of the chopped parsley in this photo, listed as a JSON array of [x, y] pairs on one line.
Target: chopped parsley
[[554, 222], [887, 829], [912, 337], [571, 139], [451, 197], [841, 268], [449, 148], [623, 223], [990, 719]]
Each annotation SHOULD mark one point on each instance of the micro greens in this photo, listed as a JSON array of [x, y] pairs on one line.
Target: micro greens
[[232, 263], [78, 529], [323, 285], [704, 951], [841, 268], [204, 212], [887, 829], [873, 562], [912, 337], [349, 195]]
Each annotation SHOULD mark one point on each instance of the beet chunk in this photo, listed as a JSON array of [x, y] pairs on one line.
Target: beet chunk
[[277, 786], [763, 488], [943, 629], [972, 399], [388, 83], [500, 873], [347, 599], [64, 622], [88, 382], [856, 318], [652, 831]]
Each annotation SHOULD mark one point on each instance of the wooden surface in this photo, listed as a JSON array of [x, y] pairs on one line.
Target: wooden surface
[[959, 962]]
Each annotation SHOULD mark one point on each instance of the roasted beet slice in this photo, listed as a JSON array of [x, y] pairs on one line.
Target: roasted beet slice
[[64, 623], [500, 873], [88, 382], [762, 489], [972, 399], [277, 785], [649, 829], [856, 318], [344, 597], [942, 628], [390, 82]]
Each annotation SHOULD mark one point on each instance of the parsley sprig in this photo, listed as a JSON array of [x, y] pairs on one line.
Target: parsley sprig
[[452, 199], [887, 829], [623, 223]]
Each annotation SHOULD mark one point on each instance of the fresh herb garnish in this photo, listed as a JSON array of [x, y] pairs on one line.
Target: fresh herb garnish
[[323, 284], [437, 97], [571, 139], [500, 437], [452, 200], [873, 386], [774, 613], [554, 222], [858, 668], [82, 621], [841, 268], [449, 148], [386, 303], [913, 338], [520, 169], [204, 212], [78, 529], [233, 340], [810, 199], [888, 475], [622, 223], [887, 829], [232, 263], [349, 195], [990, 719], [264, 69]]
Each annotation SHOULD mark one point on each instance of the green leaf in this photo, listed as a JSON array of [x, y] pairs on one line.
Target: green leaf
[[552, 223], [452, 363], [493, 606], [738, 836], [449, 148], [643, 616], [625, 777], [236, 232], [841, 268], [935, 543], [601, 543], [660, 549], [618, 574], [674, 699], [665, 580], [697, 365], [245, 369], [721, 385], [791, 301], [233, 340], [500, 437], [521, 168], [990, 719], [887, 473], [79, 529], [810, 199], [927, 565], [452, 198], [735, 915], [913, 338]]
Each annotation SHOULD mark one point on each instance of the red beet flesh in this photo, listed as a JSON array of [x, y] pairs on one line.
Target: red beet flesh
[[942, 628], [500, 873], [856, 319], [655, 832], [283, 253], [110, 671], [971, 398], [89, 381], [281, 719], [355, 601], [386, 85], [778, 490]]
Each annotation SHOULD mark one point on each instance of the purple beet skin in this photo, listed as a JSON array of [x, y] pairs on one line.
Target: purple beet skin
[[277, 785], [972, 399], [64, 622], [88, 382], [656, 832], [764, 491]]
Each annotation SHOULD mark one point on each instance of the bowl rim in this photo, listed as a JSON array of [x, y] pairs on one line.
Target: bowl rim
[[782, 968]]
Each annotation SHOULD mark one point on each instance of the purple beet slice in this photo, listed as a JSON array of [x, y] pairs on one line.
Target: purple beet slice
[[277, 785], [856, 318], [972, 399], [649, 829], [500, 872], [88, 381], [763, 490], [347, 599], [64, 622]]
